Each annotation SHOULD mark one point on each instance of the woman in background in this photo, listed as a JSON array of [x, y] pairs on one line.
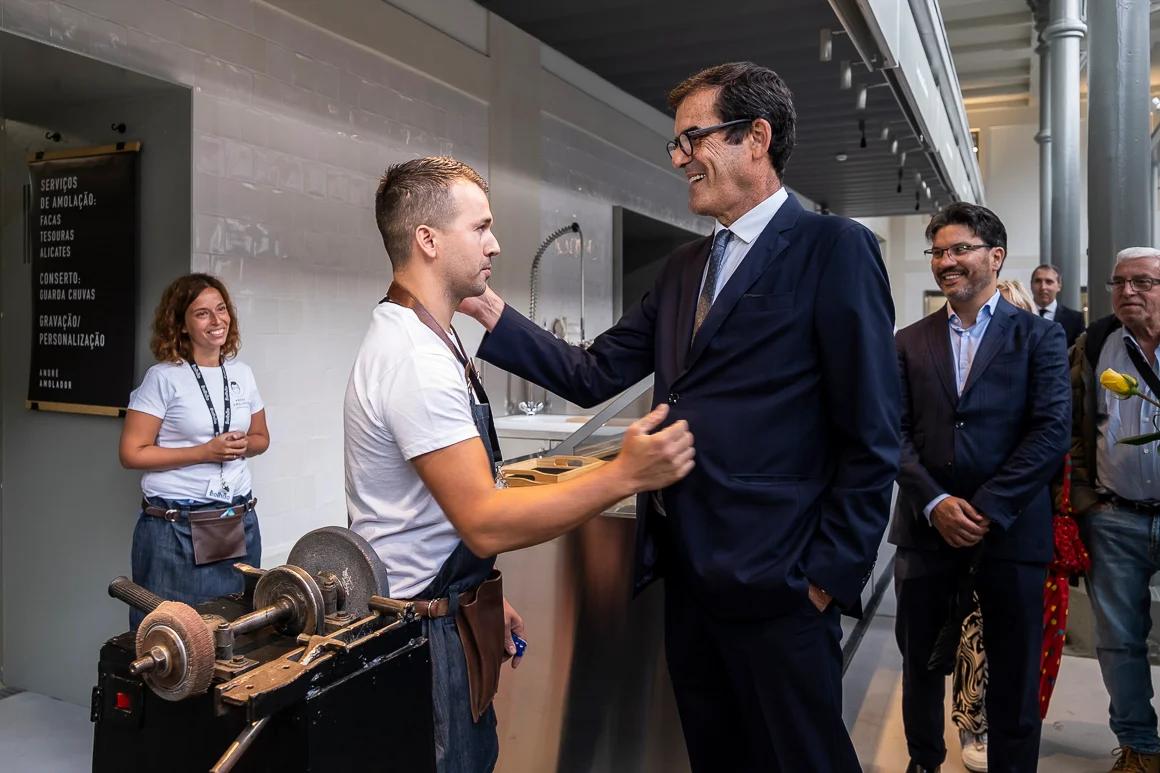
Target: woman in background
[[191, 425]]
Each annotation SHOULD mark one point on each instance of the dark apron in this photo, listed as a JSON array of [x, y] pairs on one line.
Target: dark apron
[[462, 745]]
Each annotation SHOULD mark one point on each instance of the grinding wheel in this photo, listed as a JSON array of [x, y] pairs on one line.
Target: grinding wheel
[[178, 630], [298, 586], [350, 558]]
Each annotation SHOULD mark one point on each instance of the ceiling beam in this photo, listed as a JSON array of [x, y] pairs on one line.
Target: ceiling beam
[[1000, 20]]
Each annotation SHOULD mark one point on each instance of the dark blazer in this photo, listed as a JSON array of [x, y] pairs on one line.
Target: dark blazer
[[1072, 322], [792, 396], [997, 445]]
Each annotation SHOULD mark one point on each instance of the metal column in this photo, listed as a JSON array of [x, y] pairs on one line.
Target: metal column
[[1119, 145], [1063, 34], [1044, 140]]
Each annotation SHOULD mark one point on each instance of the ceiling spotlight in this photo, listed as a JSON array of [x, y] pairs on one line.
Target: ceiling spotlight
[[840, 157], [825, 45], [926, 190], [902, 161], [894, 147], [860, 104], [918, 178], [846, 76], [1156, 102], [885, 133]]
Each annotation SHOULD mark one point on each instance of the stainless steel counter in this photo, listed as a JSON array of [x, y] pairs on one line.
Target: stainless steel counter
[[593, 692]]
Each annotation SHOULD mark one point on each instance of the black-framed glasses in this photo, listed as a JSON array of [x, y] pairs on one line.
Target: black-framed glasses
[[957, 250], [1140, 284], [684, 140]]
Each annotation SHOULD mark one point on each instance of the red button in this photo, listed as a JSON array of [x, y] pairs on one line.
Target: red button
[[123, 702]]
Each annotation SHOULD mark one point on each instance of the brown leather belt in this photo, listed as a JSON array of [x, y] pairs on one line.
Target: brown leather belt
[[431, 608], [172, 513]]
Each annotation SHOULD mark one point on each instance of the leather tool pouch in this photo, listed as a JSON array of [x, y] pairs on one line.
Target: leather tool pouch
[[217, 539], [481, 631]]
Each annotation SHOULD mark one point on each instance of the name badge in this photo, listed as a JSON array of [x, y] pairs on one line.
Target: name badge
[[217, 488]]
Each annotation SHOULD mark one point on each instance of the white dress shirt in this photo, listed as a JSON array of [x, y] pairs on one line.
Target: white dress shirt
[[1051, 307], [745, 231]]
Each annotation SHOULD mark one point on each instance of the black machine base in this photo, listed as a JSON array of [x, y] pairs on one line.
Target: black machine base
[[368, 709]]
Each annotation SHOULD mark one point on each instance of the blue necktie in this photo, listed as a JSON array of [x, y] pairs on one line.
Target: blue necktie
[[716, 259]]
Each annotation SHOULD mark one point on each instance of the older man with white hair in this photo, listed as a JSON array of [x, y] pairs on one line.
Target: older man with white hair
[[1116, 491]]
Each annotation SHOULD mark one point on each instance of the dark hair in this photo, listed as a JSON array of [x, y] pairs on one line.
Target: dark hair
[[1058, 273], [415, 193], [170, 342], [983, 222], [748, 90]]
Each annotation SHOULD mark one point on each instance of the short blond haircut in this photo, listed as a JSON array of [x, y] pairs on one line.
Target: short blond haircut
[[1016, 294], [415, 193]]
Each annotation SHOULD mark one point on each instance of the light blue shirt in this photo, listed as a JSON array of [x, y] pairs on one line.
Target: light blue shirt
[[745, 231], [964, 346], [1131, 472]]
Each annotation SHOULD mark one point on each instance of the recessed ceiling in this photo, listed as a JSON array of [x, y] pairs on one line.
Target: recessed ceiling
[[645, 48]]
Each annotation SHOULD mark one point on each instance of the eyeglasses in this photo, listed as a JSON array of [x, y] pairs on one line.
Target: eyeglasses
[[684, 140], [958, 250], [1140, 284]]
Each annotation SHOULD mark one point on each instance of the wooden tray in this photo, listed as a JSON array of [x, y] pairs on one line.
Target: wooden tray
[[546, 470]]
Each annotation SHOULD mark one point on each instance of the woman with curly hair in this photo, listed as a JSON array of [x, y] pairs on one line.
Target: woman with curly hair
[[191, 424]]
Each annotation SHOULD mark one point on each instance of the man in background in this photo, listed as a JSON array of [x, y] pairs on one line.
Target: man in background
[[1046, 283]]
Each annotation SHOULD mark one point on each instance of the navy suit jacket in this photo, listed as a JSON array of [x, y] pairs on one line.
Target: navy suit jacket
[[996, 446], [792, 396], [1072, 322]]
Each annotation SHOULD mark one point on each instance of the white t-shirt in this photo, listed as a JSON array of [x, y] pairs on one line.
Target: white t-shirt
[[407, 395], [170, 392]]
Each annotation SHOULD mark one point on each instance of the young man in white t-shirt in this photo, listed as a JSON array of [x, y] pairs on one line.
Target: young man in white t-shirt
[[420, 450]]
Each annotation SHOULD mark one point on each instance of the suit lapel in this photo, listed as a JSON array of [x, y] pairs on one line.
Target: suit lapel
[[939, 345], [765, 250], [689, 288], [992, 341]]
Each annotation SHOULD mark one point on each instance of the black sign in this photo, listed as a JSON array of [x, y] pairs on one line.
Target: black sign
[[82, 227]]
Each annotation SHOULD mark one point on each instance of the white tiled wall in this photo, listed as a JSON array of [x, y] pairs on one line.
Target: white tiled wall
[[292, 125]]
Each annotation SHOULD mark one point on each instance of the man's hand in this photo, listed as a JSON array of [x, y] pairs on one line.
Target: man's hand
[[957, 522], [484, 309], [653, 461], [820, 598], [512, 623]]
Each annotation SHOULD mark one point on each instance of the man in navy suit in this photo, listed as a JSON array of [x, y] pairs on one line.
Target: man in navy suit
[[986, 416], [773, 339], [1045, 286]]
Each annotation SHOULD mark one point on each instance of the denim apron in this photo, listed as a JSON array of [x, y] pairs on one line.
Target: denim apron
[[461, 745]]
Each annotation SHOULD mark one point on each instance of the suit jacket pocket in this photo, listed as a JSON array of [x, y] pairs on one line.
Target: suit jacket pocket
[[763, 302], [764, 479]]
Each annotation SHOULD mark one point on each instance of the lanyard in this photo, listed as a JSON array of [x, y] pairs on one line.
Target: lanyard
[[208, 403]]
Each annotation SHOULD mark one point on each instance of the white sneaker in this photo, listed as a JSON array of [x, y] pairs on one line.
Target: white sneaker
[[974, 751]]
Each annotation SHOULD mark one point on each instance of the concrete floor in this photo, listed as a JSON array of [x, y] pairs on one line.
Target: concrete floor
[[41, 734], [1075, 737]]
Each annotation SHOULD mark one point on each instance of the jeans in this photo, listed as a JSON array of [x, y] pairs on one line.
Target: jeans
[[1125, 552], [162, 557], [461, 745]]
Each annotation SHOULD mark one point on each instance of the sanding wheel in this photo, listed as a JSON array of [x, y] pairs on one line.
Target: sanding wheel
[[337, 551], [297, 586], [176, 637]]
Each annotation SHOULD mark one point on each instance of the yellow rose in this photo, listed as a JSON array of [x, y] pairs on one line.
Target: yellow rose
[[1121, 385]]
